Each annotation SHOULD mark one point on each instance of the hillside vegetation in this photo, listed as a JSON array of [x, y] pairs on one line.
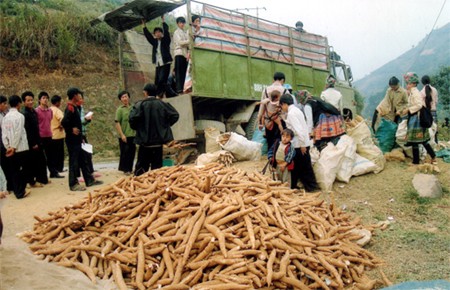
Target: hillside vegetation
[[46, 46], [431, 56]]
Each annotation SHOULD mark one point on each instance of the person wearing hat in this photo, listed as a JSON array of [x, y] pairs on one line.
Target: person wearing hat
[[161, 57], [73, 128], [181, 46], [152, 119], [415, 133], [288, 87], [331, 95], [299, 26], [305, 104]]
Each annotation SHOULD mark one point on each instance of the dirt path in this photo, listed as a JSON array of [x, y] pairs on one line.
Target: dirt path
[[373, 197]]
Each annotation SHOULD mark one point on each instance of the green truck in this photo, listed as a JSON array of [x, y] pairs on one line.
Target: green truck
[[232, 60]]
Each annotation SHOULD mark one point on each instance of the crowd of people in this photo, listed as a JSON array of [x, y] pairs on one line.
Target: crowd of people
[[401, 104], [316, 121], [32, 141]]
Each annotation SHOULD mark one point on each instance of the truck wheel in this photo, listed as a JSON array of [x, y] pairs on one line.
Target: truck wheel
[[251, 125]]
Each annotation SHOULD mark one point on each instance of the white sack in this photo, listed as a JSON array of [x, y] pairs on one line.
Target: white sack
[[362, 166], [211, 144], [206, 158], [328, 165], [345, 171], [241, 148]]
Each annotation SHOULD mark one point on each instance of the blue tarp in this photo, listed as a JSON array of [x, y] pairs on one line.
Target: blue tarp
[[444, 154], [258, 136], [421, 285]]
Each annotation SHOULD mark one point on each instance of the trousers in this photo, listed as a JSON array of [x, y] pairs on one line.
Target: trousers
[[127, 153], [77, 162], [146, 156]]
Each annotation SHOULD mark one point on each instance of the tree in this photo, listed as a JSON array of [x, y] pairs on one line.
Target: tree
[[441, 81]]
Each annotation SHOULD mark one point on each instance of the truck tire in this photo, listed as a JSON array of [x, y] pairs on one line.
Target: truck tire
[[251, 126]]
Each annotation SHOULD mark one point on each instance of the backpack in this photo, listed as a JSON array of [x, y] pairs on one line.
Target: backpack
[[425, 117]]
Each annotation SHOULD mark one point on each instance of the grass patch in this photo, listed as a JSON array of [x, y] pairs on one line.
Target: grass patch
[[412, 196]]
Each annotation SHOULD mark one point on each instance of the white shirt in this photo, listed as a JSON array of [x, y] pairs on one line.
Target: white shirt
[[13, 131], [181, 42], [434, 97], [159, 59], [332, 96], [295, 120]]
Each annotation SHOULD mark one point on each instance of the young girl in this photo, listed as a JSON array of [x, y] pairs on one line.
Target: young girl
[[281, 156]]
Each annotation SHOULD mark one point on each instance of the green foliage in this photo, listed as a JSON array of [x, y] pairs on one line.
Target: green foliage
[[441, 81], [48, 30]]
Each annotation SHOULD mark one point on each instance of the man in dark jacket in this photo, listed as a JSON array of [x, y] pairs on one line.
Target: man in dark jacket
[[160, 40], [73, 128], [36, 162], [151, 118]]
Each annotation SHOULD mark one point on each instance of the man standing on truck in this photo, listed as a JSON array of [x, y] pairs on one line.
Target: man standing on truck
[[160, 41], [151, 118], [181, 43]]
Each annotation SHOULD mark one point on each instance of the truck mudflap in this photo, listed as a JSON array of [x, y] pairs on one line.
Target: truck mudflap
[[183, 129]]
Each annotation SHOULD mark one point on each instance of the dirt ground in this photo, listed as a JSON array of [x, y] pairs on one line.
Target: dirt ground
[[416, 245]]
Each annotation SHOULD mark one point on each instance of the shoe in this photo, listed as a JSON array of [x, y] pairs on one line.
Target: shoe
[[96, 182], [56, 176], [37, 184], [128, 173], [27, 193], [434, 161], [77, 187]]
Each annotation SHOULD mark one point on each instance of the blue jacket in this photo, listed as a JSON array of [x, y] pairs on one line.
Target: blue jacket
[[289, 152]]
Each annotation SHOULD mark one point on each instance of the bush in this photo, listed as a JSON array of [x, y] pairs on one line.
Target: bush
[[29, 31]]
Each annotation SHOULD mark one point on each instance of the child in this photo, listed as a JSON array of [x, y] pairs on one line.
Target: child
[[281, 156]]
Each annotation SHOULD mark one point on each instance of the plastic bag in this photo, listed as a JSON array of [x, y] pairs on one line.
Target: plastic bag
[[386, 135], [258, 136]]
